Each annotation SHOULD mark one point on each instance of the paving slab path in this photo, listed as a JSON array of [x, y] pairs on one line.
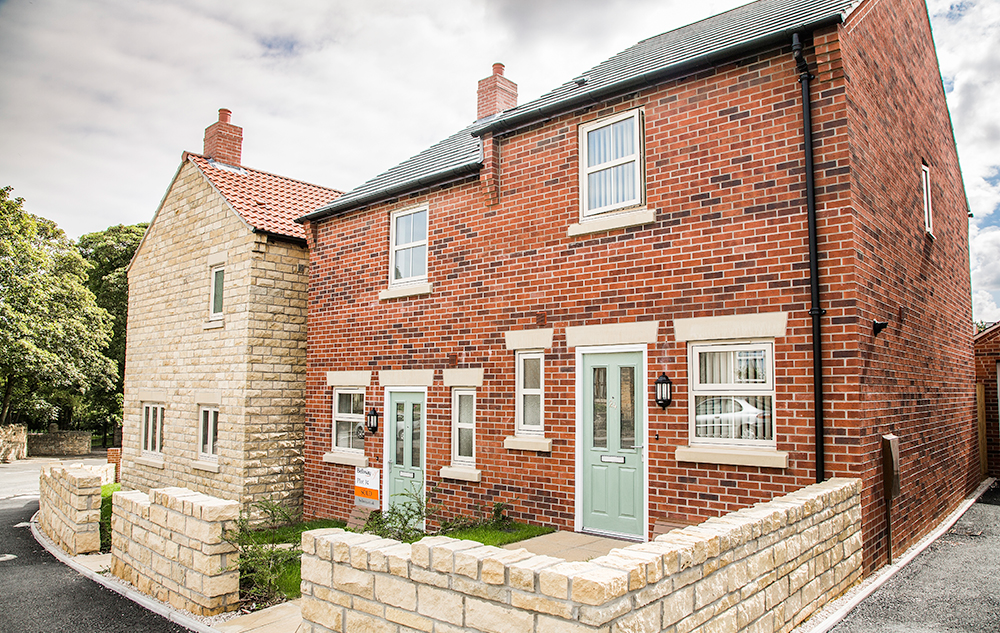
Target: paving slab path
[[953, 586]]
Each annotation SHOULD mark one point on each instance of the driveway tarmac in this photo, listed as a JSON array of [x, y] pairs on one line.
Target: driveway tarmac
[[952, 586]]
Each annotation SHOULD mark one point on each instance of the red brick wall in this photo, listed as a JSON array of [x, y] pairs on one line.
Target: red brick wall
[[987, 356], [725, 174], [916, 377]]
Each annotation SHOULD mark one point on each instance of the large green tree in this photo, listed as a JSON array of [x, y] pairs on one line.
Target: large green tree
[[109, 252], [52, 332]]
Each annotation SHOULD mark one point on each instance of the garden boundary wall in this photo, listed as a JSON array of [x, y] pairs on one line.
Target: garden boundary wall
[[13, 442], [168, 544], [69, 505], [59, 443], [761, 569]]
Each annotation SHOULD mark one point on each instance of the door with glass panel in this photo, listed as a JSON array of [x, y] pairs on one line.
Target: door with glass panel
[[405, 445], [613, 433]]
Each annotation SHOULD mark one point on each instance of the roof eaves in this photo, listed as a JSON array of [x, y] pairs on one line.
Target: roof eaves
[[345, 203], [988, 332], [527, 117]]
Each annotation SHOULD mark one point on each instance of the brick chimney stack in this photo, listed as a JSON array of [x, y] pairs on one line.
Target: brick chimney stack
[[223, 140], [496, 93]]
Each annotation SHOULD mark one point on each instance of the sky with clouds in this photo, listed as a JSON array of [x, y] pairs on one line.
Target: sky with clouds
[[98, 98]]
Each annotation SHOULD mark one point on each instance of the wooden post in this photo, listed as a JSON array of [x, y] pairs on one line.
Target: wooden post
[[981, 414]]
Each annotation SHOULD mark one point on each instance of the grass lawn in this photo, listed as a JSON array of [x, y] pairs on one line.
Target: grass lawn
[[488, 535], [105, 525], [293, 533]]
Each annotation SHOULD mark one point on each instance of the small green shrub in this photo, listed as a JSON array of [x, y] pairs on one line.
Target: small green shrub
[[105, 525], [264, 559], [404, 521]]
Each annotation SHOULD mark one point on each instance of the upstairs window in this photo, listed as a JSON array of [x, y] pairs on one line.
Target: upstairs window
[[530, 407], [215, 304], [733, 394], [208, 434], [349, 420], [408, 247], [152, 428], [925, 181], [611, 165]]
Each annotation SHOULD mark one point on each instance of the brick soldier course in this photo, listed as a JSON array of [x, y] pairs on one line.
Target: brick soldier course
[[241, 359], [716, 250]]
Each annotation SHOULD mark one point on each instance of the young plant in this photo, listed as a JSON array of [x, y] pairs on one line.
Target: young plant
[[262, 557]]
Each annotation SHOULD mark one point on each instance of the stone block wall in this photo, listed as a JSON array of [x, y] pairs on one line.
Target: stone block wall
[[761, 569], [13, 442], [169, 545], [59, 443], [69, 505]]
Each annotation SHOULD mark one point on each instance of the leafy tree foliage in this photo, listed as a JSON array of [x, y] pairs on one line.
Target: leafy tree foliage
[[109, 252], [52, 332]]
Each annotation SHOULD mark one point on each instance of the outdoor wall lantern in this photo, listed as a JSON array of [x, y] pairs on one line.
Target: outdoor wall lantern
[[371, 421], [878, 326], [664, 391]]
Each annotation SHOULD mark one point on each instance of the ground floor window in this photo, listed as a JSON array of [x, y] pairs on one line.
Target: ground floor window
[[463, 433], [349, 419], [208, 435], [530, 406], [152, 428], [732, 387]]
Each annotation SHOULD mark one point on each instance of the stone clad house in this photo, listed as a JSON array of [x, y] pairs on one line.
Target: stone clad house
[[509, 300], [215, 362]]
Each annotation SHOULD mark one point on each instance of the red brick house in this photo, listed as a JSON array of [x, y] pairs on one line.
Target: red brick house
[[987, 346], [507, 299]]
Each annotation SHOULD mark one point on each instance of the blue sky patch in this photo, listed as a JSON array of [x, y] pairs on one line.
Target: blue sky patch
[[279, 46], [957, 10]]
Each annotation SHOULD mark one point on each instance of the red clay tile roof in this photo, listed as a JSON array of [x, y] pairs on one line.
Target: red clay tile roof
[[266, 202]]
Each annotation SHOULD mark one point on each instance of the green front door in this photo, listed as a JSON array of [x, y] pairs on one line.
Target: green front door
[[405, 421], [613, 433]]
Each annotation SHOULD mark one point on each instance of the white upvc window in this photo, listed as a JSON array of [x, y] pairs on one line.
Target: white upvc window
[[530, 407], [925, 182], [208, 433], [463, 427], [732, 389], [152, 428], [611, 172], [408, 247], [218, 274], [349, 420]]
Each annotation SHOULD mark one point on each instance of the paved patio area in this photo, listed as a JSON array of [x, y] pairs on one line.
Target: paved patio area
[[571, 546]]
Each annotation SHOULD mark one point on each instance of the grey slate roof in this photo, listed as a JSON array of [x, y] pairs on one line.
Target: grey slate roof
[[742, 29]]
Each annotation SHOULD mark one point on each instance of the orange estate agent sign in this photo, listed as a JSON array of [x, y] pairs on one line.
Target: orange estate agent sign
[[367, 484]]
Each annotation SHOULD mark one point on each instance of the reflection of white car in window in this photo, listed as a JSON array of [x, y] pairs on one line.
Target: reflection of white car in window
[[726, 416]]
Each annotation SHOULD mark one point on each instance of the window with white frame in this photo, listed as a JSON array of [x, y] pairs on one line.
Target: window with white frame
[[611, 163], [530, 407], [348, 418], [732, 388], [408, 246], [152, 428], [208, 433], [925, 181], [463, 427], [218, 274]]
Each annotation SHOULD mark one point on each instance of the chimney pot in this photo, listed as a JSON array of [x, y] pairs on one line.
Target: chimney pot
[[225, 115], [498, 69]]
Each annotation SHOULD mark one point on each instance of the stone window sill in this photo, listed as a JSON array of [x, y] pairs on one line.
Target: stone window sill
[[212, 467], [213, 325], [405, 291], [732, 456], [612, 221], [346, 459], [152, 462], [462, 473], [528, 443]]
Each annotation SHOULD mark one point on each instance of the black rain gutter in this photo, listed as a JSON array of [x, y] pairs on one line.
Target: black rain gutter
[[541, 112], [379, 195], [815, 311]]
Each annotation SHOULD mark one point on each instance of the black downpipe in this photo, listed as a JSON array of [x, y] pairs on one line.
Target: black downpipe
[[815, 311]]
